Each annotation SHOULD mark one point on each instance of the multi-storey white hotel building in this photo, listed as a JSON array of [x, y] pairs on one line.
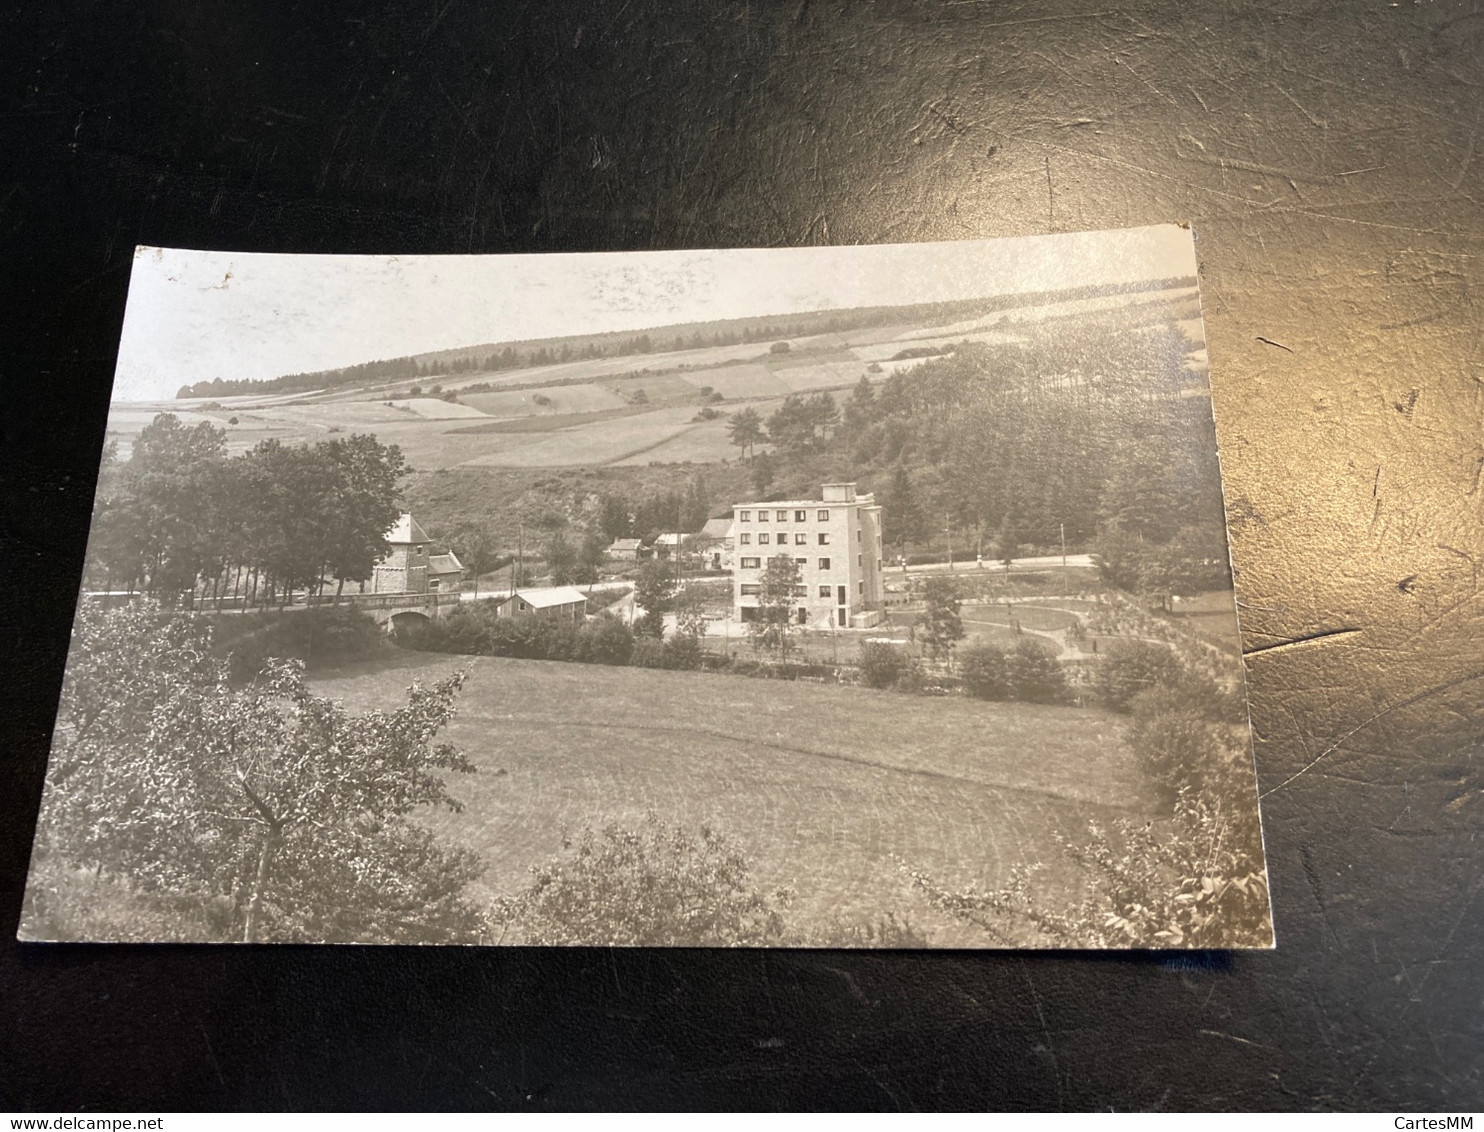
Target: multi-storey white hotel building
[[836, 541]]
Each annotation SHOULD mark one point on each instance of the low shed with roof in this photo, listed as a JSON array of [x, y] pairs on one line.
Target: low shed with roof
[[561, 603]]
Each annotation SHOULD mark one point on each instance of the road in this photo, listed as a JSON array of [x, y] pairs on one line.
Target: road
[[1047, 562]]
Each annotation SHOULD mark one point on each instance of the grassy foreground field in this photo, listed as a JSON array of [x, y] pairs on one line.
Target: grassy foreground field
[[819, 786]]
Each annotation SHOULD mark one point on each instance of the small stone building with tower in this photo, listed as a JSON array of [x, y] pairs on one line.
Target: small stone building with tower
[[411, 567]]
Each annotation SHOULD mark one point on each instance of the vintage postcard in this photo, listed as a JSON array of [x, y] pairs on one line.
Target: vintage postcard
[[818, 597]]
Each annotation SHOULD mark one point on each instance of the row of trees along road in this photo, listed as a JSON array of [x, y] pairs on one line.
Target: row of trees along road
[[260, 525]]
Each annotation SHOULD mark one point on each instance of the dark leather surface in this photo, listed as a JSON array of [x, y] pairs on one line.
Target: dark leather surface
[[1328, 153]]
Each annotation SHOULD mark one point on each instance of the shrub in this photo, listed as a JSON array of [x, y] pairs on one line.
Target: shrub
[[888, 931], [1130, 667], [648, 652], [882, 665], [318, 637], [605, 640], [1036, 677], [985, 670], [650, 887], [1186, 740], [1198, 883], [683, 651]]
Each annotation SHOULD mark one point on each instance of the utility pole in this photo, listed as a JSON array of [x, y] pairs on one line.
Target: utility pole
[[520, 553], [948, 535], [1063, 528]]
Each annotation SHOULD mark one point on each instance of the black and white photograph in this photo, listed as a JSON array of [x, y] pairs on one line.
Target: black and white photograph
[[830, 597]]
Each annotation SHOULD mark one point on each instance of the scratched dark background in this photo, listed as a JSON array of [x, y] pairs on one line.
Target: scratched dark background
[[1327, 153]]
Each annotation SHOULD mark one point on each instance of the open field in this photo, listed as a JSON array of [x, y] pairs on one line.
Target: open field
[[819, 786], [557, 399], [600, 442]]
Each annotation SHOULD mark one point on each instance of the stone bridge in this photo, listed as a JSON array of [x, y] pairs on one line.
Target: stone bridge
[[398, 611]]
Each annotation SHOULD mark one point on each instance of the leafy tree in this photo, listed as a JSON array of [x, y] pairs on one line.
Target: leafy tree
[[650, 887], [901, 514], [1193, 561], [269, 798], [476, 549], [802, 423], [824, 417], [690, 614], [860, 406], [654, 592], [697, 506], [361, 502], [156, 531], [745, 430], [1007, 542], [762, 473], [561, 560], [589, 558], [614, 519], [777, 594], [938, 625], [1120, 557]]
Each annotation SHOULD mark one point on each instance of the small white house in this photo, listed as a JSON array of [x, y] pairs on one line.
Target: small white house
[[669, 543], [623, 549], [713, 544], [561, 603]]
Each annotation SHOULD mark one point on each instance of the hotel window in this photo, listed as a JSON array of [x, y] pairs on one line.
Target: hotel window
[[782, 516], [824, 539], [800, 516], [746, 539], [749, 589], [751, 563], [801, 591], [744, 516], [860, 587], [878, 564], [858, 563], [801, 561], [857, 534], [824, 516], [824, 591], [824, 563], [762, 538], [801, 539]]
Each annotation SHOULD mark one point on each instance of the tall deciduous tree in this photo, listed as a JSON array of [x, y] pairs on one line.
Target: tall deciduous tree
[[777, 596], [561, 560], [901, 514], [654, 592], [938, 625]]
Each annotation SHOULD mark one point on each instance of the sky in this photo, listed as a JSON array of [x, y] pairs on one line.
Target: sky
[[196, 315]]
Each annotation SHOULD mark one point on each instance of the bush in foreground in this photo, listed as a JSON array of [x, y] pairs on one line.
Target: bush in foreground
[[1129, 667], [1199, 884], [882, 665], [650, 887], [1028, 673], [319, 637]]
